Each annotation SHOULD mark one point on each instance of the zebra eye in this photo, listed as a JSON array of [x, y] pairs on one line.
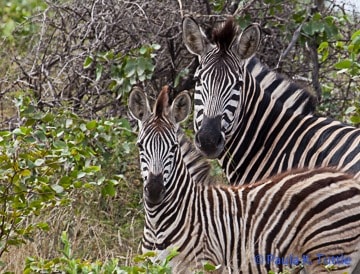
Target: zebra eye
[[173, 148], [140, 146], [237, 85]]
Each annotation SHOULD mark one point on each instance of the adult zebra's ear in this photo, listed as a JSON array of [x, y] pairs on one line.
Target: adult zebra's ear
[[181, 107], [248, 42], [139, 104], [194, 38]]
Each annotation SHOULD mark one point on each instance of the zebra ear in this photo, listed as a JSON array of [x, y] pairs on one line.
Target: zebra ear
[[248, 41], [181, 107], [194, 38], [139, 104]]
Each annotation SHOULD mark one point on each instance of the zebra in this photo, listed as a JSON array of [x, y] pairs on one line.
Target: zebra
[[248, 122], [302, 216], [198, 168]]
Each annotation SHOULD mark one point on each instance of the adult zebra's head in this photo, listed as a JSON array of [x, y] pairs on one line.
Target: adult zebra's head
[[157, 140], [219, 79]]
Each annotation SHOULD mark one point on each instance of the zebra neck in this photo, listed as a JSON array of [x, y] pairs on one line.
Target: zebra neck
[[198, 167], [252, 130], [165, 222], [179, 186]]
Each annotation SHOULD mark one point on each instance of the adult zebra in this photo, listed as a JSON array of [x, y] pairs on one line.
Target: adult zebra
[[253, 132], [246, 229]]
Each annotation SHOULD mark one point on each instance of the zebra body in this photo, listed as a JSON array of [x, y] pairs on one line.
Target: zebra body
[[258, 125], [303, 213]]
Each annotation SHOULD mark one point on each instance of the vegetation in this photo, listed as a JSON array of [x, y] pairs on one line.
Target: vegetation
[[70, 188]]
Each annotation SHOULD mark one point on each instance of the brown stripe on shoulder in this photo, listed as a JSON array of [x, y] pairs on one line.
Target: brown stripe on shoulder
[[224, 35], [304, 173], [162, 102]]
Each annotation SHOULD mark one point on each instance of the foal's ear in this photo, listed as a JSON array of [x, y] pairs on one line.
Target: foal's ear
[[248, 42], [194, 37], [139, 104], [181, 107]]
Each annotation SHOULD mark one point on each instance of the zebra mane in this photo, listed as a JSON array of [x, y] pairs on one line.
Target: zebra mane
[[284, 87], [197, 165], [162, 102], [225, 34]]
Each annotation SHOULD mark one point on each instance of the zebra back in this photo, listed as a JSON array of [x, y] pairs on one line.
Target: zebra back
[[291, 95]]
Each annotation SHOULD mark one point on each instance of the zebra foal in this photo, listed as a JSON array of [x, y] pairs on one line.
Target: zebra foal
[[253, 122], [304, 215]]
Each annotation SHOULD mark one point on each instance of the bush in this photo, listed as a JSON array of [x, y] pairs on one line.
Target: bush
[[52, 155]]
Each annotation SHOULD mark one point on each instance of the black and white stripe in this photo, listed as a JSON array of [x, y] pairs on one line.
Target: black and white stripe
[[299, 213], [255, 122]]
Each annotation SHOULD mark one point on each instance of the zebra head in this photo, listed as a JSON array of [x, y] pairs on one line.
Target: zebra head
[[157, 140], [219, 79]]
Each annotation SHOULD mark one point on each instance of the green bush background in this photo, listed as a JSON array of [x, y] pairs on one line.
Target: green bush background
[[70, 188]]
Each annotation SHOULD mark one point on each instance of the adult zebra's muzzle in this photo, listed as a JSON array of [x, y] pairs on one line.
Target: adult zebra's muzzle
[[154, 189], [209, 139]]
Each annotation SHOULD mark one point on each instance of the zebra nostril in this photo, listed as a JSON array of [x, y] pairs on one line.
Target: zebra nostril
[[197, 140]]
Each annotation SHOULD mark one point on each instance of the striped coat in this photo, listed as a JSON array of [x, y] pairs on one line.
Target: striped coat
[[303, 216], [255, 123]]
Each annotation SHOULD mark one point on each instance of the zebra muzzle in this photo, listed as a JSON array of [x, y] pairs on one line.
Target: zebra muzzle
[[209, 139], [154, 189]]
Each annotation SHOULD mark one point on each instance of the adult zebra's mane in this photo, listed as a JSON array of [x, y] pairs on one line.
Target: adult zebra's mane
[[225, 34]]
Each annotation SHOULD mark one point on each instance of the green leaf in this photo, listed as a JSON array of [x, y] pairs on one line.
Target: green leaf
[[130, 68], [57, 188], [343, 64], [91, 125], [44, 226], [91, 169], [156, 46], [209, 267], [108, 189], [68, 123], [99, 70], [355, 119], [39, 162], [88, 61], [39, 134], [25, 173], [59, 144], [83, 127], [19, 131], [143, 50]]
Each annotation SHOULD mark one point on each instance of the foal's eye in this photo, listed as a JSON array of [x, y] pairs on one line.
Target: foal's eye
[[197, 79], [140, 146]]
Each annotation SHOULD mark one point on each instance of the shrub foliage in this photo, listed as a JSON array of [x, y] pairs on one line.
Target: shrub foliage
[[67, 140]]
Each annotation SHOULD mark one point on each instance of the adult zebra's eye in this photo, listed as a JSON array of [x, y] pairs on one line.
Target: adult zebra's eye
[[173, 148], [237, 85]]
